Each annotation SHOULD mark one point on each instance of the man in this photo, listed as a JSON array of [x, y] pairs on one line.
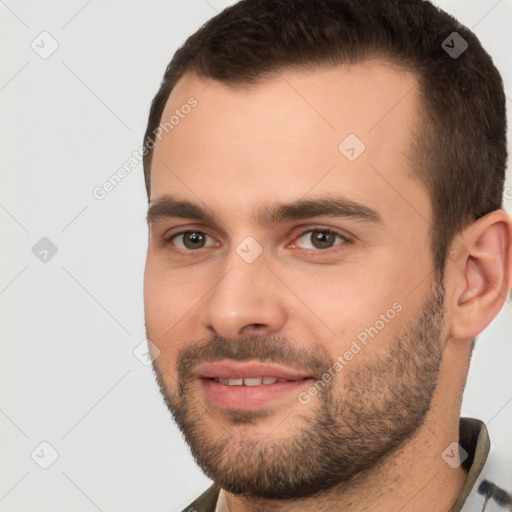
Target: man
[[326, 242]]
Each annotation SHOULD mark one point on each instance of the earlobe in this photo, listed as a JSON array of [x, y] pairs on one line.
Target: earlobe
[[482, 278]]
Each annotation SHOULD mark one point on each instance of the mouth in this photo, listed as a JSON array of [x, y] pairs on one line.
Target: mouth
[[251, 381], [245, 386]]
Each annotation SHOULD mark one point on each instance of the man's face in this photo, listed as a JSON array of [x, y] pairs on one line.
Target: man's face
[[279, 253]]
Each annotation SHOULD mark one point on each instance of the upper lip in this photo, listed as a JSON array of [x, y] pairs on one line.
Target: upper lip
[[245, 370]]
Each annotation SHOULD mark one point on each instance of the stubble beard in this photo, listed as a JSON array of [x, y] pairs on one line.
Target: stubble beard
[[376, 406]]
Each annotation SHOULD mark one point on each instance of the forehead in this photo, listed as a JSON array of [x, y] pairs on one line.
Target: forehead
[[345, 129]]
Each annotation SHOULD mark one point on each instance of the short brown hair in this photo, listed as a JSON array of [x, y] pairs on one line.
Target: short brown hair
[[460, 146]]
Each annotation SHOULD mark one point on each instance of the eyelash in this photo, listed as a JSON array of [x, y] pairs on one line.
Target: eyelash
[[329, 231], [169, 239], [345, 239]]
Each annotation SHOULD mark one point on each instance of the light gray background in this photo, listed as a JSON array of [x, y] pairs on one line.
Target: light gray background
[[69, 325]]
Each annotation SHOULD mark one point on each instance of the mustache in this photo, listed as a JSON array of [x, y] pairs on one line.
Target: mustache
[[268, 349]]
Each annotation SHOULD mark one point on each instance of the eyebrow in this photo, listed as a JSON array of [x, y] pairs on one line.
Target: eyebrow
[[326, 207], [169, 207]]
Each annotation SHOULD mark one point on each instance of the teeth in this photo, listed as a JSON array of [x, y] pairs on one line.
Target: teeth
[[255, 381], [251, 381]]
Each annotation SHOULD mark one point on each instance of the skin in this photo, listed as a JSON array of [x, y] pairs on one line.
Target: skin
[[245, 147]]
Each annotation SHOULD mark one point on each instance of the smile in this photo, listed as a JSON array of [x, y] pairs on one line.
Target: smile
[[251, 381]]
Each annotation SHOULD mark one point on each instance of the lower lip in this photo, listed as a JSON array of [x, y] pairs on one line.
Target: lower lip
[[244, 398]]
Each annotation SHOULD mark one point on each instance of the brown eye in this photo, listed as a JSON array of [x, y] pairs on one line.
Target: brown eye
[[191, 240], [322, 239], [319, 239]]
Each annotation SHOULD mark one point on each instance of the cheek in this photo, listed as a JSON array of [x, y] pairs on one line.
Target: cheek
[[172, 300], [163, 310], [342, 297], [340, 306], [162, 304]]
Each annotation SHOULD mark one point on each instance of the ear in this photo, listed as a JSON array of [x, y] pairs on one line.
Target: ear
[[480, 276]]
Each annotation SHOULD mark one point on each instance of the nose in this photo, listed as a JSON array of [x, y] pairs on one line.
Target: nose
[[245, 300]]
